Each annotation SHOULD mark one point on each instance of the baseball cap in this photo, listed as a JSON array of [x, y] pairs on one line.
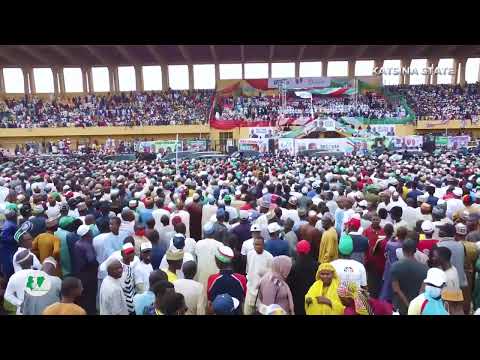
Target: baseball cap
[[461, 229], [224, 254], [145, 246], [83, 230], [243, 215], [303, 247], [255, 227], [224, 304], [273, 227], [427, 227], [436, 277]]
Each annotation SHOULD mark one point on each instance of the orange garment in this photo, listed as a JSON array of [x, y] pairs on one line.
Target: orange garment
[[45, 245]]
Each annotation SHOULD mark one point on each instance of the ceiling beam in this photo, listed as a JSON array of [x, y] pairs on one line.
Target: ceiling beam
[[37, 56], [132, 60], [419, 50], [301, 50], [185, 53], [93, 50], [242, 53], [154, 51], [390, 51], [362, 49], [331, 51], [70, 59], [10, 59], [214, 53], [271, 52]]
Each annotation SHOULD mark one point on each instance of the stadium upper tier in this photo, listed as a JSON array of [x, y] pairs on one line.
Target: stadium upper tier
[[193, 107]]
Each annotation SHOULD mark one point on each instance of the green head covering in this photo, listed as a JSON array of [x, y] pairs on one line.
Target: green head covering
[[65, 221], [345, 246], [56, 196], [11, 206]]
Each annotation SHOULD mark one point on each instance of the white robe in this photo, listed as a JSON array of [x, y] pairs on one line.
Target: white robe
[[206, 266], [112, 299]]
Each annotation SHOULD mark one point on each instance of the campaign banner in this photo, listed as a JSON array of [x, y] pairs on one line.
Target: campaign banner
[[327, 145], [441, 141], [383, 130], [361, 144], [158, 146], [286, 145], [195, 145], [328, 124], [411, 142], [457, 142], [262, 132], [300, 83], [260, 145]]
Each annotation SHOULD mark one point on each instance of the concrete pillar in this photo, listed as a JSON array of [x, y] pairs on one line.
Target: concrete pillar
[[269, 70], [434, 75], [26, 86], [351, 69], [297, 69], [462, 63], [324, 67], [455, 74], [2, 82], [84, 80], [55, 80], [377, 66], [31, 79], [61, 80], [405, 78], [165, 82], [111, 78], [90, 80], [243, 72], [116, 79], [217, 73], [191, 84], [139, 77]]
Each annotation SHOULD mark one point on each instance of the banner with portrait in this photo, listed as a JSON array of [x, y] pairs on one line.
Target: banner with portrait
[[382, 130], [260, 145], [262, 132], [287, 146]]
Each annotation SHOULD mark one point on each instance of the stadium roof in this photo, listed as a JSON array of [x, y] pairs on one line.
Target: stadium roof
[[76, 55]]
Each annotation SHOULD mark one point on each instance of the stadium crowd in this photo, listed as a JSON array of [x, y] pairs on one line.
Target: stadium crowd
[[268, 108], [371, 235], [128, 109], [441, 102]]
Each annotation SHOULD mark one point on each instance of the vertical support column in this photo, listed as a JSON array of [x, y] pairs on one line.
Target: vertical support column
[[351, 69], [26, 86], [2, 82], [116, 79], [139, 77], [377, 66], [405, 78], [243, 71], [462, 62], [90, 80], [84, 80], [297, 69], [434, 75], [31, 79], [111, 78], [217, 73], [55, 80], [191, 84], [165, 82], [455, 74], [269, 70], [61, 80], [324, 67], [428, 74]]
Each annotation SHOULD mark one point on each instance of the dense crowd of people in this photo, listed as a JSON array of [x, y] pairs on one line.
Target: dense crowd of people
[[127, 109], [282, 235], [441, 102], [269, 108]]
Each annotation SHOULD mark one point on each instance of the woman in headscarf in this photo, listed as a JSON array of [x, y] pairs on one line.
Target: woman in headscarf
[[354, 299], [322, 298], [273, 288]]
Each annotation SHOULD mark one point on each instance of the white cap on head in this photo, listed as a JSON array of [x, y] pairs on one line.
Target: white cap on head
[[273, 228], [243, 215], [146, 246], [436, 277], [255, 227], [457, 191], [427, 227], [83, 230]]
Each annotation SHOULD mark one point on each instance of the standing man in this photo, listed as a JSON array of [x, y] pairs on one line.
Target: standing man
[[71, 290], [329, 243], [86, 269], [205, 250], [407, 277], [47, 244], [193, 292], [275, 245], [195, 211], [143, 269], [8, 245], [112, 298]]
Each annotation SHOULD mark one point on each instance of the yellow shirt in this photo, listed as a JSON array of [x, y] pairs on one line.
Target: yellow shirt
[[63, 309], [45, 245], [171, 277], [328, 246]]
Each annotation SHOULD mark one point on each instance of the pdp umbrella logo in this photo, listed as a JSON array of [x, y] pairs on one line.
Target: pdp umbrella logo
[[37, 284]]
